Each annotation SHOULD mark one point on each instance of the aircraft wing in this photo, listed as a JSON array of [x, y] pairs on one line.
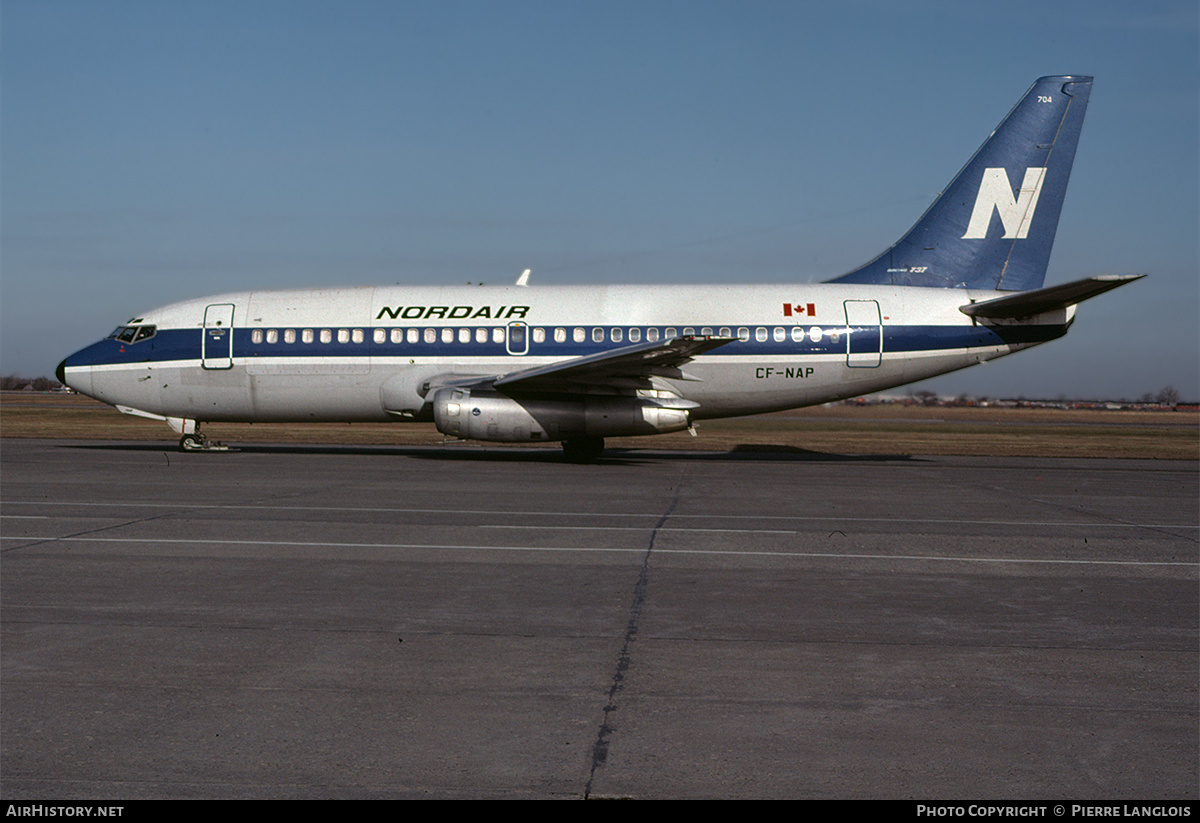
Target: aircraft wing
[[628, 366]]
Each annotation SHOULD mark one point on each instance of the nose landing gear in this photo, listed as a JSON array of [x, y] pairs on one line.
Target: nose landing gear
[[197, 442]]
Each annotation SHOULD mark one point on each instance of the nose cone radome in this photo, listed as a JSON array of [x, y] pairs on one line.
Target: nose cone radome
[[80, 376]]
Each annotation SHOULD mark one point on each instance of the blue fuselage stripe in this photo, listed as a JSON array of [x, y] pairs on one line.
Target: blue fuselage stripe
[[184, 344]]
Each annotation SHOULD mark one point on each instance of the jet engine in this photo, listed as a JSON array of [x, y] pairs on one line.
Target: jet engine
[[475, 414]]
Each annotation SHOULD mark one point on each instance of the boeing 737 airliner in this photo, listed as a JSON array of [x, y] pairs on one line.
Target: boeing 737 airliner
[[580, 363]]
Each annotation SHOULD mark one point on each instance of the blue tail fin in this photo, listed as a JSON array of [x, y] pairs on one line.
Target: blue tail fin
[[994, 225]]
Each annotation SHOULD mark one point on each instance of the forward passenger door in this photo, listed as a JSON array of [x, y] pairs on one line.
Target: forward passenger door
[[216, 345]]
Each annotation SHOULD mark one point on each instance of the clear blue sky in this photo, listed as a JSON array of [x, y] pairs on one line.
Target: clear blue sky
[[155, 151]]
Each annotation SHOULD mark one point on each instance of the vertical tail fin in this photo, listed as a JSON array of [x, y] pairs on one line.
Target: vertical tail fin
[[994, 225]]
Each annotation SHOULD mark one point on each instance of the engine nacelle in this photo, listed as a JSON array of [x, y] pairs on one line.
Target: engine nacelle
[[490, 415]]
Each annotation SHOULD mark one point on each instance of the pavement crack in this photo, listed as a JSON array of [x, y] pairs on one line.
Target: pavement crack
[[76, 535], [604, 733]]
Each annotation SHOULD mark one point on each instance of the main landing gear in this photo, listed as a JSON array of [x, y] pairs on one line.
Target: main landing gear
[[583, 449]]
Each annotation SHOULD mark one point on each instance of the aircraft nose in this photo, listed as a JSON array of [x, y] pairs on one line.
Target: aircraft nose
[[60, 373]]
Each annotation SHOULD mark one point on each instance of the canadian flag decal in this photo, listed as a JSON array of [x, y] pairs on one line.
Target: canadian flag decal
[[790, 309]]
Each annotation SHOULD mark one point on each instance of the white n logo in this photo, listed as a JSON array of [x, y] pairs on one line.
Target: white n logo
[[1015, 212]]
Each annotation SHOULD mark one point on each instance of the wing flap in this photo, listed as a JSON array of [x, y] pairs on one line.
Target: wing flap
[[618, 368]]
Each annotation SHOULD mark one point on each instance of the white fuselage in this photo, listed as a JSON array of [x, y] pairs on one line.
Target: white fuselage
[[362, 354]]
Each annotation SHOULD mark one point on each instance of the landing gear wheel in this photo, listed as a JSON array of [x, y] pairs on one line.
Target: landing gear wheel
[[197, 442], [583, 449]]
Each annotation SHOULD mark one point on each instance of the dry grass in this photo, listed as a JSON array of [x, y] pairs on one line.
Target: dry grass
[[833, 429]]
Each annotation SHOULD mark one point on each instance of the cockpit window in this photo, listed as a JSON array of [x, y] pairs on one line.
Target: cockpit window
[[133, 334]]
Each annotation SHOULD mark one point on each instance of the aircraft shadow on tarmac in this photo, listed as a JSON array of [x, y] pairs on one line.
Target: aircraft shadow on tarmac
[[744, 452]]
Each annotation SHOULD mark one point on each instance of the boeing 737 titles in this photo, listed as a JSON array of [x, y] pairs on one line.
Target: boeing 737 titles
[[577, 364]]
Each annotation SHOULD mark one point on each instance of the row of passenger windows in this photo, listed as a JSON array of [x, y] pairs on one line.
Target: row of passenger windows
[[539, 335]]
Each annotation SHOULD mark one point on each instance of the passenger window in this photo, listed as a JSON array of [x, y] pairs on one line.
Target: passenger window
[[780, 334], [431, 335], [272, 336], [397, 335], [688, 331], [743, 333], [307, 335], [597, 335], [289, 336], [326, 336], [356, 336], [724, 331], [412, 336], [760, 334], [256, 336], [447, 335], [498, 334], [797, 334], [652, 334], [579, 335], [539, 335], [464, 335], [616, 335], [343, 335], [706, 331], [635, 335], [669, 332], [560, 335], [815, 334]]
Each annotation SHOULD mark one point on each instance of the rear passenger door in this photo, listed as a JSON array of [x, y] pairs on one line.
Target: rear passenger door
[[864, 334]]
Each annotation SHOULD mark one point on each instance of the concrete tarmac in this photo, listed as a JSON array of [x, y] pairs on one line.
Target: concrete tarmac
[[467, 622]]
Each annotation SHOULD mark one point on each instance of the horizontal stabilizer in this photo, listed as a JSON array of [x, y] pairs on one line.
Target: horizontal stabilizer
[[1038, 301]]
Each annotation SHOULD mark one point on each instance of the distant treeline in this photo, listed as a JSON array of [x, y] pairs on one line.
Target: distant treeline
[[14, 383]]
